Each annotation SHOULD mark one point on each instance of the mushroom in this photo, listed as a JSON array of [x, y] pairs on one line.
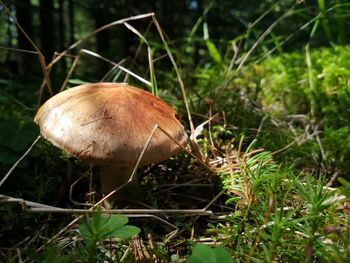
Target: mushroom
[[109, 124]]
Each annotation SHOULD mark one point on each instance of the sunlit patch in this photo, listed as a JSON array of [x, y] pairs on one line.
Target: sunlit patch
[[61, 124]]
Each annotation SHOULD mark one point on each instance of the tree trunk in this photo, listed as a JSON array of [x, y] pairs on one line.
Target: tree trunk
[[62, 33], [71, 21], [101, 16], [24, 19], [47, 29]]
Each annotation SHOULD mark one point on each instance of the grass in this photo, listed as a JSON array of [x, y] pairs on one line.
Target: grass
[[273, 135]]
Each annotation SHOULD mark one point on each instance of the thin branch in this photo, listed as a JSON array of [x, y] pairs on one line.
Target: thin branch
[[121, 211], [34, 207]]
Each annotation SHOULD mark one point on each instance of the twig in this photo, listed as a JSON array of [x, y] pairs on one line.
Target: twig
[[24, 203], [131, 212], [34, 207], [20, 260], [122, 259], [261, 125], [333, 178], [318, 140], [284, 147]]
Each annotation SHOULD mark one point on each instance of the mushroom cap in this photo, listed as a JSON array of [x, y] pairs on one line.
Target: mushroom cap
[[109, 123]]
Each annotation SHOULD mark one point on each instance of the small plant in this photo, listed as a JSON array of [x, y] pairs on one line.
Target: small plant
[[98, 228], [102, 238], [205, 254], [246, 174]]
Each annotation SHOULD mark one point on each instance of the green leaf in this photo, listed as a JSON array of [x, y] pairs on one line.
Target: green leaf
[[117, 221], [125, 232], [117, 227], [222, 255], [205, 254], [85, 230], [345, 189], [213, 51], [99, 227]]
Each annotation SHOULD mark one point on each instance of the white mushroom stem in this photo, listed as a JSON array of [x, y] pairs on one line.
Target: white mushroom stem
[[113, 177]]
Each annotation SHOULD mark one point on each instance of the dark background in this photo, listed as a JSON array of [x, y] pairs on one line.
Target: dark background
[[53, 25]]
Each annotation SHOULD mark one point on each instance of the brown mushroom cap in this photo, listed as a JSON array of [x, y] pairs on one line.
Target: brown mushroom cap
[[109, 123]]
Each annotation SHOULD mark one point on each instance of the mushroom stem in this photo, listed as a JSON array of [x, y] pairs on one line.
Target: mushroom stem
[[113, 177]]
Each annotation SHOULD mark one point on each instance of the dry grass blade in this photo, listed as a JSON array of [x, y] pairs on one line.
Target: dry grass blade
[[140, 251], [24, 203], [130, 212], [19, 50], [177, 71], [136, 32], [70, 72], [94, 54], [114, 23], [152, 73], [116, 76]]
